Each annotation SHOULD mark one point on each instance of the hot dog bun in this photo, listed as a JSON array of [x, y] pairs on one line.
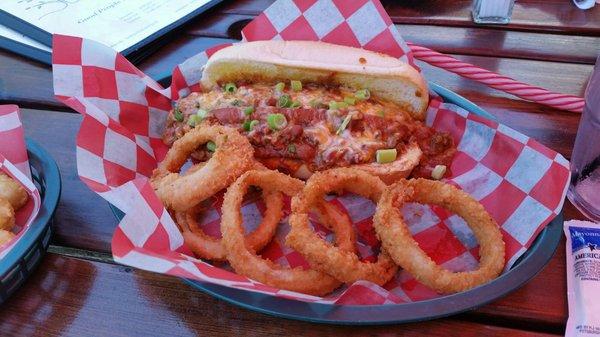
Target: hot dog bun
[[384, 76]]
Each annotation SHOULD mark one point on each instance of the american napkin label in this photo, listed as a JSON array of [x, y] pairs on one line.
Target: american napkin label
[[583, 278], [520, 182]]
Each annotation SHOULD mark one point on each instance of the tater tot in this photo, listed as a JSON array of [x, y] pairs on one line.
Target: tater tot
[[7, 215], [12, 191]]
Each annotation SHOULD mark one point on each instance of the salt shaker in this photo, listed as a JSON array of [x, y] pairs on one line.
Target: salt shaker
[[492, 11]]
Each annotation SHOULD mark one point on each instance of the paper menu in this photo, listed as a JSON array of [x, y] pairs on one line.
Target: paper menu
[[120, 24]]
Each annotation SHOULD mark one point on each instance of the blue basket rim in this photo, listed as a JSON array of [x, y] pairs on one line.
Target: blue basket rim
[[49, 202]]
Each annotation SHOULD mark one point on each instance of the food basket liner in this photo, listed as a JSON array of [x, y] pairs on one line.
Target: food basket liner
[[15, 163], [521, 183]]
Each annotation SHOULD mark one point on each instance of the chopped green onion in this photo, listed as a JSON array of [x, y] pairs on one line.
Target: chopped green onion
[[202, 113], [344, 124], [296, 85], [249, 111], [276, 121], [249, 125], [292, 148], [381, 113], [194, 120], [342, 105], [246, 125], [280, 86], [385, 156], [230, 87], [362, 94], [333, 105], [318, 104], [295, 104], [178, 115], [350, 100], [438, 172], [284, 101], [211, 146], [253, 123]]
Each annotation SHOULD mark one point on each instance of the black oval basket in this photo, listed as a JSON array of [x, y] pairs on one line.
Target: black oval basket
[[524, 269], [24, 257]]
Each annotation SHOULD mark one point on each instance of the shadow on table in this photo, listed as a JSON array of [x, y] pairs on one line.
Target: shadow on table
[[49, 300], [199, 312], [418, 8]]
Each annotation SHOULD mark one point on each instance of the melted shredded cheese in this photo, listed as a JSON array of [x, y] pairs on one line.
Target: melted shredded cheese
[[351, 145]]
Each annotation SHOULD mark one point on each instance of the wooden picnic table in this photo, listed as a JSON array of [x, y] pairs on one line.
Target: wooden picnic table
[[79, 291]]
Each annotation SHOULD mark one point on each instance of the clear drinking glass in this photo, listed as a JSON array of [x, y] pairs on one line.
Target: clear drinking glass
[[584, 191], [492, 11]]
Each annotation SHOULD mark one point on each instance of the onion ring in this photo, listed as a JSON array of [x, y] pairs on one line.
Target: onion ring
[[13, 192], [232, 157], [211, 248], [247, 263], [405, 251], [343, 265], [5, 236], [7, 215], [335, 220]]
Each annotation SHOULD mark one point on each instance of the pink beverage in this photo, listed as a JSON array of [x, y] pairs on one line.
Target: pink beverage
[[584, 191]]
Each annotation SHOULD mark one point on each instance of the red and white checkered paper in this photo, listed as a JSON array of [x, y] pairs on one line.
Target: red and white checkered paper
[[519, 181], [14, 162]]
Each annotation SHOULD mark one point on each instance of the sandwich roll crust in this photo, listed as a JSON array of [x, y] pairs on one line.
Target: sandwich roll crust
[[270, 61]]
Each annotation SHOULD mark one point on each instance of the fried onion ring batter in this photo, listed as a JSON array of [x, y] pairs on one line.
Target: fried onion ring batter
[[7, 215], [13, 192], [405, 251], [246, 262], [232, 157], [211, 248], [5, 236], [343, 265]]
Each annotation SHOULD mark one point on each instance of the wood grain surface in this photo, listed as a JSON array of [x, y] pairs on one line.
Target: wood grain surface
[[529, 15], [77, 291], [72, 297], [25, 82], [478, 40]]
